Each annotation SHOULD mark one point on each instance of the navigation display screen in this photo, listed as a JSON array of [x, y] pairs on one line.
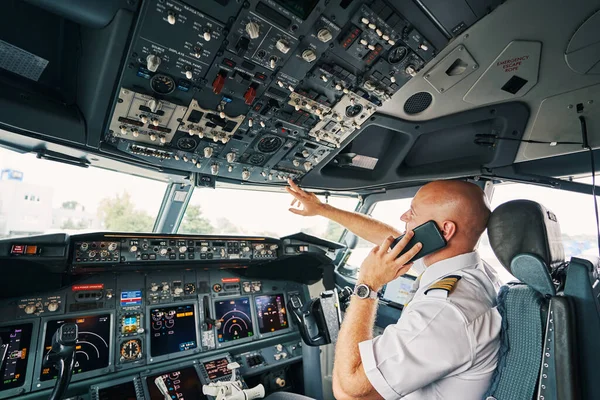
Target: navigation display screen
[[173, 329], [271, 313], [235, 318], [14, 353], [398, 290], [124, 391], [183, 384], [92, 349], [217, 368]]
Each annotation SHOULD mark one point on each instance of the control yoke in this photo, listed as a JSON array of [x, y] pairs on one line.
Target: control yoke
[[62, 357], [234, 388], [318, 320]]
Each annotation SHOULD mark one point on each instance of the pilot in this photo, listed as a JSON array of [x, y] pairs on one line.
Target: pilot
[[445, 344]]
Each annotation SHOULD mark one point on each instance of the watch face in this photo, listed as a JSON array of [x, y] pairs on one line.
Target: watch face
[[362, 291]]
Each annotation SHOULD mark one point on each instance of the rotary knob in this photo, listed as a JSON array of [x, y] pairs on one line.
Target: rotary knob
[[171, 18], [163, 252], [280, 382], [307, 166], [283, 46], [214, 169], [153, 105], [189, 74], [253, 29], [178, 291], [246, 249], [305, 153], [247, 289], [324, 35], [30, 309], [165, 288], [278, 347], [245, 174], [230, 157], [273, 247], [133, 249], [154, 288], [309, 55], [52, 306], [208, 152], [182, 249], [152, 62], [410, 70]]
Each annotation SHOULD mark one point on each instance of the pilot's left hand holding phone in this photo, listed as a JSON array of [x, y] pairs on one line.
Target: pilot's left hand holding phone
[[382, 265]]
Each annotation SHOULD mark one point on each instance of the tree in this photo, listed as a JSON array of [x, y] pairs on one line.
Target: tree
[[225, 226], [71, 205], [194, 222], [119, 214], [69, 224], [333, 232]]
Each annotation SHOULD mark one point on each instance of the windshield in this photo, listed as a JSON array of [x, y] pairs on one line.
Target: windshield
[[237, 211], [40, 196]]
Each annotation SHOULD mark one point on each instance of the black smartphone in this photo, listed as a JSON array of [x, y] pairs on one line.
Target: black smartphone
[[428, 235]]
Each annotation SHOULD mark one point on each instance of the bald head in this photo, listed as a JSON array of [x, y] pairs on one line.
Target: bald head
[[459, 208]]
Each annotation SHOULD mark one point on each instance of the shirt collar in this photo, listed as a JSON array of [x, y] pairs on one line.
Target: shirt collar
[[447, 266]]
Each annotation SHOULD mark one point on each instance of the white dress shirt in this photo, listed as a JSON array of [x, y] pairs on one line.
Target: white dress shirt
[[444, 346]]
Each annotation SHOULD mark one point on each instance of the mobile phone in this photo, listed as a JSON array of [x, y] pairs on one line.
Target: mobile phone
[[428, 235]]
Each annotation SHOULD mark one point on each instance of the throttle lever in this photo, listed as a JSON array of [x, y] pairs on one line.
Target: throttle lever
[[62, 357]]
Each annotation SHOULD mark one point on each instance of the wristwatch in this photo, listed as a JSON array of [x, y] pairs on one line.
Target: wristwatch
[[363, 291]]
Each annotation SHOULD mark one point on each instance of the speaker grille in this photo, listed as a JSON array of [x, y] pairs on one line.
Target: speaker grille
[[417, 103]]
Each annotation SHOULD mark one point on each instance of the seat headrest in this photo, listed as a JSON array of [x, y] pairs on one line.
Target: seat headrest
[[525, 227]]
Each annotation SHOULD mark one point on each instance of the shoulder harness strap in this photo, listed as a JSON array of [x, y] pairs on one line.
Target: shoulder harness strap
[[444, 286]]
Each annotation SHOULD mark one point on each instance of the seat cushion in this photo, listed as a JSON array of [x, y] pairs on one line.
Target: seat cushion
[[521, 341]]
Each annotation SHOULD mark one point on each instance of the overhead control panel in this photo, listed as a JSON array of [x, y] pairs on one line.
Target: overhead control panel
[[266, 96]]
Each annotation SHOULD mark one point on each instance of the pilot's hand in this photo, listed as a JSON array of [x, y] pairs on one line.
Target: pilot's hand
[[381, 265], [310, 203]]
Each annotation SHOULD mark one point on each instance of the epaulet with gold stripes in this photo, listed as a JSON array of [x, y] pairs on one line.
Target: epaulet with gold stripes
[[445, 284]]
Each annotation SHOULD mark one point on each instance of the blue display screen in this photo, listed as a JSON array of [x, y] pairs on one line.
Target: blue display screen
[[131, 298]]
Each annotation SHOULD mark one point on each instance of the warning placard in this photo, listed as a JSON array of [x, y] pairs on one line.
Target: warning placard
[[512, 64]]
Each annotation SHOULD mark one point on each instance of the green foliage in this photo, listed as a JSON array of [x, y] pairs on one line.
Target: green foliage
[[119, 214], [225, 226], [70, 205], [194, 222], [333, 232], [69, 224]]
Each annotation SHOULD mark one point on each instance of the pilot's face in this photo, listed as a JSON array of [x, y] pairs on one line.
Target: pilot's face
[[416, 215]]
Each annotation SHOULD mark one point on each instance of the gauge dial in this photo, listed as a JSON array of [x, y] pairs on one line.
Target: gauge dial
[[269, 144], [397, 54], [186, 143], [353, 111], [189, 288], [162, 84], [131, 350]]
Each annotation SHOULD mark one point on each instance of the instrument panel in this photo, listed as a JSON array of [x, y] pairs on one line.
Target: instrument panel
[[124, 326], [266, 95]]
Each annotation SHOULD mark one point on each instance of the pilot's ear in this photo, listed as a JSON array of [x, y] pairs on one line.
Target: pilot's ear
[[448, 229]]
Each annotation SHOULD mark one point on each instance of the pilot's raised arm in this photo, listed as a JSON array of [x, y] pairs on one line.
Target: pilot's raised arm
[[370, 229], [445, 344]]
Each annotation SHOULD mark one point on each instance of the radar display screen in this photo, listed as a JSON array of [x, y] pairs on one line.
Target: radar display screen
[[235, 319], [14, 353], [173, 329], [217, 368], [92, 349], [183, 384], [271, 313], [123, 391]]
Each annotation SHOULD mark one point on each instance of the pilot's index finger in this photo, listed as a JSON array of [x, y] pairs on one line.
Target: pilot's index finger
[[408, 256], [294, 186], [401, 244], [386, 244], [293, 193]]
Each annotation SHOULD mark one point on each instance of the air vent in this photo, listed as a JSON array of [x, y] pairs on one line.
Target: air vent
[[417, 103]]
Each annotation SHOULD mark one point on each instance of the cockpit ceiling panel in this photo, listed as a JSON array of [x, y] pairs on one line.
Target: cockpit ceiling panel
[[550, 23]]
